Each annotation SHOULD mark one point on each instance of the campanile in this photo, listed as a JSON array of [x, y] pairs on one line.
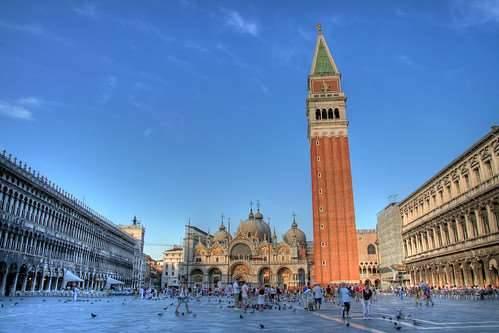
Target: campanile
[[335, 241]]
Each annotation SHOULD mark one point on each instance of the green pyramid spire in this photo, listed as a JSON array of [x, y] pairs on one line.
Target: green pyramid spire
[[323, 64]]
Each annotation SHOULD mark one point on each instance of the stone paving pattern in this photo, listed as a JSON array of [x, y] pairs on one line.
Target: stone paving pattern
[[127, 314]]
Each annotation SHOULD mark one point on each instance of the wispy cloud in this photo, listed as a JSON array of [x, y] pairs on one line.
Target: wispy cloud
[[30, 101], [240, 24], [35, 30], [195, 46], [474, 12], [15, 111], [146, 27], [235, 59], [408, 61], [87, 9], [110, 83]]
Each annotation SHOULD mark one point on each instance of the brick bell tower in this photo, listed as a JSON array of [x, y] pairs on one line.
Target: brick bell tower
[[335, 239]]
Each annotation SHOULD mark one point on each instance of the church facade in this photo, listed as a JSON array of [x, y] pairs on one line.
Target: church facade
[[253, 254]]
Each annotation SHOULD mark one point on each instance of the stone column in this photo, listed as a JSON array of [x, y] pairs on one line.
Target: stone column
[[4, 282], [50, 283], [452, 236], [492, 219], [459, 228], [423, 241], [442, 234], [33, 284], [469, 227], [14, 287], [479, 222]]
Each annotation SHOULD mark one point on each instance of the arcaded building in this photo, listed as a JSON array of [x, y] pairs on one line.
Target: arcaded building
[[253, 254], [48, 237], [335, 245], [450, 224], [368, 257]]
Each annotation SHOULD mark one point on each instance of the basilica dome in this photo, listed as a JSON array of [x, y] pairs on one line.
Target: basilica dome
[[294, 235], [221, 235], [255, 227]]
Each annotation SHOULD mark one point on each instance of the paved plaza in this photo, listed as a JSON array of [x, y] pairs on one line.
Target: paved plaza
[[127, 314]]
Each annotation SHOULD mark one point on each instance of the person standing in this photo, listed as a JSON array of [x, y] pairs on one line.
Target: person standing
[[236, 292], [244, 296], [367, 294], [317, 290], [76, 291]]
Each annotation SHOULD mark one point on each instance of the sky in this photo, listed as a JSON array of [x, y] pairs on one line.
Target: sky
[[178, 110]]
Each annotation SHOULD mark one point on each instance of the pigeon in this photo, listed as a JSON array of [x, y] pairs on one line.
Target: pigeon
[[398, 328], [44, 300], [241, 316], [165, 308], [2, 305], [348, 324], [415, 323], [15, 303], [294, 310], [160, 314], [383, 317], [194, 315], [261, 326], [390, 318], [182, 313], [93, 315]]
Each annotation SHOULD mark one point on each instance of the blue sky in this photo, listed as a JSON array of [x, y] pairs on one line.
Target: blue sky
[[169, 110]]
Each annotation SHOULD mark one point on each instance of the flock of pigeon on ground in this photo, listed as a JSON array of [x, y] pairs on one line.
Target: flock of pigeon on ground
[[221, 303]]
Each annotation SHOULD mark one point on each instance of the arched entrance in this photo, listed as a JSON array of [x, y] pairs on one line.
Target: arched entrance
[[240, 272], [284, 277], [22, 278], [377, 284], [264, 276], [10, 286], [197, 277], [214, 276]]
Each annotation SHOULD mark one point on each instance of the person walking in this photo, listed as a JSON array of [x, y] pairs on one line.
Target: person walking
[[345, 297], [367, 294], [183, 298], [317, 290]]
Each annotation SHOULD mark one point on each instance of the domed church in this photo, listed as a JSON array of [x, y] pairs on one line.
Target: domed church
[[253, 254]]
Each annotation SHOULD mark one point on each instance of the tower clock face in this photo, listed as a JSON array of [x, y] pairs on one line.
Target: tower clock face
[[320, 86]]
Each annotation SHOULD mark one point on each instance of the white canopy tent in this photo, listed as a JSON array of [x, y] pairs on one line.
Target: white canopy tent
[[110, 281], [71, 277]]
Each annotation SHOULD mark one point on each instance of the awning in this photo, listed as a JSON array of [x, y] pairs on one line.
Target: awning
[[110, 281], [71, 277]]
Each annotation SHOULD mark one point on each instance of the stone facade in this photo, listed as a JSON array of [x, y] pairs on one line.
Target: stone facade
[[389, 231], [172, 262], [46, 234], [335, 244], [252, 254], [152, 276], [451, 223], [368, 256]]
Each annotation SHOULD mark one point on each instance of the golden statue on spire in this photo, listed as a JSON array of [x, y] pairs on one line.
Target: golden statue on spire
[[319, 28]]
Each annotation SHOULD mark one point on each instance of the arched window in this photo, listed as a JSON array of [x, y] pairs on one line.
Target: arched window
[[317, 114], [324, 114], [330, 114], [371, 249], [336, 113]]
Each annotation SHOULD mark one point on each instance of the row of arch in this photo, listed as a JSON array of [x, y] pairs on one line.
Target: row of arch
[[284, 276], [26, 277], [328, 114]]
